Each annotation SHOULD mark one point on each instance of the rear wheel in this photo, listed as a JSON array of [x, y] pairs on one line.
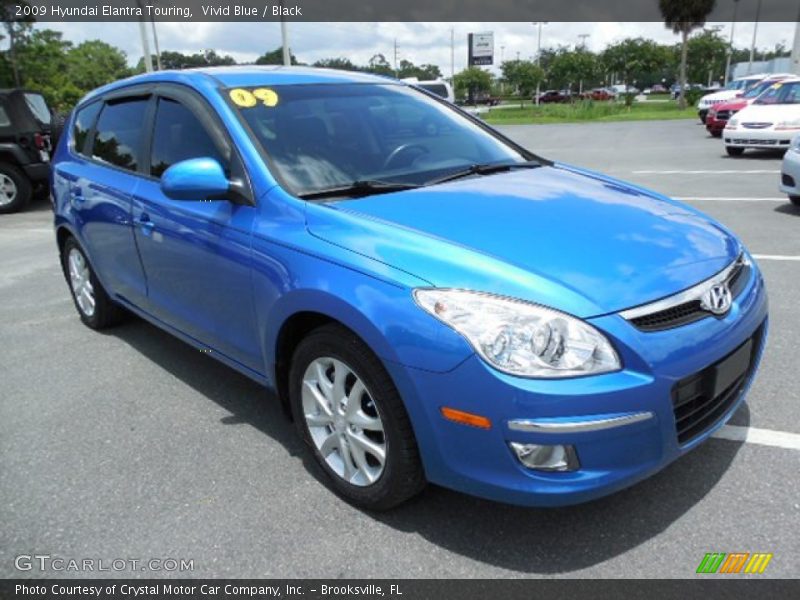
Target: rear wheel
[[15, 188], [348, 411], [95, 307], [734, 150], [795, 200]]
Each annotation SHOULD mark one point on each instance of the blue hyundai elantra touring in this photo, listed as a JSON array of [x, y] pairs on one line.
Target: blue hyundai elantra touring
[[431, 301]]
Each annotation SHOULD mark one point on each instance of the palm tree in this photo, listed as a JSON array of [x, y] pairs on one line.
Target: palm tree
[[682, 16]]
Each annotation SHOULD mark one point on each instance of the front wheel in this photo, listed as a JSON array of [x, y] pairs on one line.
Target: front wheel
[[348, 411], [734, 150]]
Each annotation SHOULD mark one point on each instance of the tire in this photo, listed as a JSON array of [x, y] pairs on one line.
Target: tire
[[15, 188], [795, 200], [105, 312], [716, 134], [734, 150], [373, 485]]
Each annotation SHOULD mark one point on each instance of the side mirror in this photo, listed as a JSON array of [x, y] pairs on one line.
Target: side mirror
[[195, 179]]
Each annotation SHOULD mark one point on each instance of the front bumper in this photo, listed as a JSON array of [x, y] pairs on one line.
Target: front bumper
[[637, 399], [715, 126], [790, 173], [757, 138]]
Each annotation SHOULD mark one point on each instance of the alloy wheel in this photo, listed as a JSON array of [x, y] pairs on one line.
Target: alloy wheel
[[8, 190], [343, 421], [80, 282]]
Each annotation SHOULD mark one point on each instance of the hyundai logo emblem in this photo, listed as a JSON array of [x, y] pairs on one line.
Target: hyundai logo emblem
[[718, 299]]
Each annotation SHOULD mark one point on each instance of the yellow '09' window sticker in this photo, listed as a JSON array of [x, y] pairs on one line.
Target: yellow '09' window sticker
[[776, 86], [245, 98]]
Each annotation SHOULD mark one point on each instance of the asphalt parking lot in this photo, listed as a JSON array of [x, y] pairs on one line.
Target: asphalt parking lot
[[130, 444]]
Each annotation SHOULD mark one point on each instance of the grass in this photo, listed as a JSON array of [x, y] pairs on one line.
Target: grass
[[587, 111]]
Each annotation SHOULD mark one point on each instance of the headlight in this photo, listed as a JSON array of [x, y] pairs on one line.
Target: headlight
[[787, 125], [521, 338]]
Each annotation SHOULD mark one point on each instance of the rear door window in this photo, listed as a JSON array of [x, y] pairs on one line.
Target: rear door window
[[118, 140], [179, 135]]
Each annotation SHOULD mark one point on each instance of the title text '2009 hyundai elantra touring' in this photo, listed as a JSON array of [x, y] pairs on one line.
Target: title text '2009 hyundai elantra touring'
[[432, 302]]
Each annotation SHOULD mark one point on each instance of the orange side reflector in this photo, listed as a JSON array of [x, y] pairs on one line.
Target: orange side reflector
[[465, 418]]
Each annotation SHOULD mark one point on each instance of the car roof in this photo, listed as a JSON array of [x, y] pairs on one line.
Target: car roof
[[247, 75]]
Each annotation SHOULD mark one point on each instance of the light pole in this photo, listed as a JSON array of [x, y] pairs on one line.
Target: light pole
[[539, 54], [148, 59], [753, 43], [583, 37], [287, 55], [452, 56], [730, 44]]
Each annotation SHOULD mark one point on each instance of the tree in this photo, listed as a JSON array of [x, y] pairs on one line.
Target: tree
[[275, 57], [94, 63], [683, 16], [43, 66], [379, 65], [177, 60], [522, 75], [471, 80], [573, 67], [421, 72], [16, 28], [637, 59], [343, 64], [706, 55]]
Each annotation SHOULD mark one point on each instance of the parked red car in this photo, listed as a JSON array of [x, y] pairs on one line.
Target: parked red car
[[555, 96], [718, 115], [600, 94]]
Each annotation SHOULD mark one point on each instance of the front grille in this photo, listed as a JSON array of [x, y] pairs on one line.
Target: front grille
[[723, 115], [756, 125], [787, 180], [697, 401], [691, 311], [753, 142]]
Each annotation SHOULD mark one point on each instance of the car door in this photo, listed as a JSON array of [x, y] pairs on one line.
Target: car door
[[196, 253], [96, 185]]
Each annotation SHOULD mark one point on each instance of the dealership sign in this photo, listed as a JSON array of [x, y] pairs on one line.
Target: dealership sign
[[481, 48]]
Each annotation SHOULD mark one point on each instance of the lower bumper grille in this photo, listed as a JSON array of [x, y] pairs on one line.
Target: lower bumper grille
[[701, 400], [753, 142]]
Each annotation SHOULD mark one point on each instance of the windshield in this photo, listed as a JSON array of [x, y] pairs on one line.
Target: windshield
[[322, 136], [781, 93], [756, 90], [38, 107]]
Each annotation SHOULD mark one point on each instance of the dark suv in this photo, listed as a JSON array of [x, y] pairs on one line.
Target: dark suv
[[25, 128]]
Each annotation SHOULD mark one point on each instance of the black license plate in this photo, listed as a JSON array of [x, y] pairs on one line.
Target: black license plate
[[732, 368]]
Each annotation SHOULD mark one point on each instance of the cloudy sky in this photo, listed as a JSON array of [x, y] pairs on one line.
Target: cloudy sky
[[417, 42]]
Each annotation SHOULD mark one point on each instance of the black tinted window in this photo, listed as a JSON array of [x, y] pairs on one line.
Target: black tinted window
[[178, 135], [119, 133], [83, 123]]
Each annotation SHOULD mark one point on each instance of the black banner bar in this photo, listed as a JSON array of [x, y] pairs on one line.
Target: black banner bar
[[716, 587], [379, 10]]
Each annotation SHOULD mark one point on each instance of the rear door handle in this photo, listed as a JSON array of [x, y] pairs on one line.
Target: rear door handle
[[145, 223]]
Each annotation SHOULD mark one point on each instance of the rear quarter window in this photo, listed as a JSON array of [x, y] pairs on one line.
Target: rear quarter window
[[84, 120], [38, 106], [4, 120]]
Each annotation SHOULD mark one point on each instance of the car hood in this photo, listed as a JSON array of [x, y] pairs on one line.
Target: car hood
[[582, 242], [768, 113], [718, 96], [735, 104]]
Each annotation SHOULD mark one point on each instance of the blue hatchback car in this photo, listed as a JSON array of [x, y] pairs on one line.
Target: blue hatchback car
[[432, 302]]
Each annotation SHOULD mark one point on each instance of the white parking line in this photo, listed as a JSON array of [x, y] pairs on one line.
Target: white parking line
[[709, 172], [764, 437], [775, 257], [730, 199]]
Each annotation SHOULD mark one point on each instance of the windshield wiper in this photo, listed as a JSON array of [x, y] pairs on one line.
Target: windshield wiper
[[364, 187], [484, 169]]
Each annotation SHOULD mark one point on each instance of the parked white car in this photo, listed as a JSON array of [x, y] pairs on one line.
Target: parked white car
[[437, 86], [790, 172], [733, 89], [770, 122]]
